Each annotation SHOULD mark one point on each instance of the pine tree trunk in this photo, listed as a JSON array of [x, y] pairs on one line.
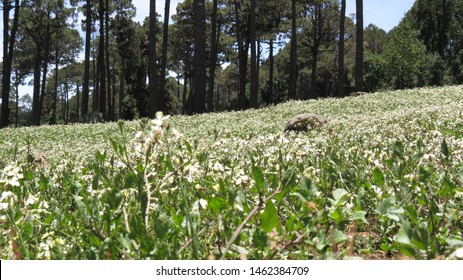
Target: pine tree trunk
[[253, 101], [110, 112], [55, 93], [341, 75], [121, 88], [46, 57], [271, 66], [165, 36], [18, 79], [317, 31], [153, 104], [213, 61], [35, 119], [86, 82], [293, 54], [313, 78], [101, 62], [199, 95], [243, 47], [8, 47], [359, 48], [78, 101], [96, 82]]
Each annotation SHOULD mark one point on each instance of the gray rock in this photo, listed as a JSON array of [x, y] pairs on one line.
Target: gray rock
[[358, 93], [303, 122]]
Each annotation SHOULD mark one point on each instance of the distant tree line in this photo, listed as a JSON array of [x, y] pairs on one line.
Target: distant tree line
[[90, 61]]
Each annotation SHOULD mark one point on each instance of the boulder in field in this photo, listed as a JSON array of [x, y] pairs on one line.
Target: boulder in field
[[303, 122]]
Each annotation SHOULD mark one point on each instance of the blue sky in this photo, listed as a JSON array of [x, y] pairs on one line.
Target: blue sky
[[384, 14]]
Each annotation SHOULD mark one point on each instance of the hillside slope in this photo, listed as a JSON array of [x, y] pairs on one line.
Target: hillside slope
[[383, 179]]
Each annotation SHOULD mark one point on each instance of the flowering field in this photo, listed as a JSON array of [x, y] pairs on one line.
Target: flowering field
[[383, 179]]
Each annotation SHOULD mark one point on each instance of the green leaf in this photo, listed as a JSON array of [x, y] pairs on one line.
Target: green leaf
[[290, 223], [448, 187], [454, 243], [408, 250], [412, 214], [337, 236], [240, 202], [404, 235], [217, 204], [49, 219], [384, 205], [101, 157], [188, 146], [304, 189], [258, 176], [392, 213], [305, 183], [259, 239], [339, 196], [422, 238], [336, 215], [424, 174], [162, 226], [444, 149], [43, 182], [269, 219], [289, 178], [359, 216], [177, 218], [399, 149], [27, 231], [378, 176], [130, 180], [385, 247]]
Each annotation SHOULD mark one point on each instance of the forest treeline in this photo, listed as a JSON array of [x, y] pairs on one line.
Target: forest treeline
[[90, 61]]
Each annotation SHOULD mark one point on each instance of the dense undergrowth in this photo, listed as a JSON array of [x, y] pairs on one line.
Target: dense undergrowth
[[383, 179]]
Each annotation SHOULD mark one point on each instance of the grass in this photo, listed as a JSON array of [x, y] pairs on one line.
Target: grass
[[383, 179]]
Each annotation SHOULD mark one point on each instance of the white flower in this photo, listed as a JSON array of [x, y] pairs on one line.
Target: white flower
[[199, 204], [138, 135], [43, 205], [459, 253], [157, 122], [60, 241], [5, 195], [218, 167], [31, 200], [377, 190], [243, 180]]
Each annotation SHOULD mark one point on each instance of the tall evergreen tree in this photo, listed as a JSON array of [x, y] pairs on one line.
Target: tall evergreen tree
[[359, 47], [293, 54], [8, 47], [317, 34], [88, 38], [101, 61], [153, 104], [165, 37], [110, 108], [213, 60], [199, 95], [243, 47], [253, 100], [341, 75]]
